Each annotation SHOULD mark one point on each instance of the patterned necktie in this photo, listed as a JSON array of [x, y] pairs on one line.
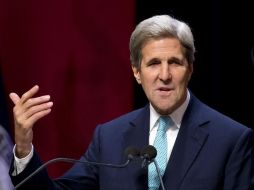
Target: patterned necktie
[[160, 143]]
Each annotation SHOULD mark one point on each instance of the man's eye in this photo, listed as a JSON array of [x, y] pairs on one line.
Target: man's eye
[[176, 62], [154, 63]]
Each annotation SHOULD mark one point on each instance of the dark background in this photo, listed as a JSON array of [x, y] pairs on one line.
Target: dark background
[[223, 71]]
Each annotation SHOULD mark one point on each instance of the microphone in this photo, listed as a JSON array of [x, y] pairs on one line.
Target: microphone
[[148, 155], [130, 152]]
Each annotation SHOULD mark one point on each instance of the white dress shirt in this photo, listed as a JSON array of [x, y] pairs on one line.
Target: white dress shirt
[[172, 132]]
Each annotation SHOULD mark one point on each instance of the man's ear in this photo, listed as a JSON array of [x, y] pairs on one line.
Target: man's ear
[[136, 73]]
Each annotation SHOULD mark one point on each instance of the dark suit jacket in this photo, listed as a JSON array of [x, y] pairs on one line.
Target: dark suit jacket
[[211, 152]]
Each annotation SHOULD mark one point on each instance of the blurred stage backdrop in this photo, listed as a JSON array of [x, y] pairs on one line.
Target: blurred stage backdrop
[[77, 51]]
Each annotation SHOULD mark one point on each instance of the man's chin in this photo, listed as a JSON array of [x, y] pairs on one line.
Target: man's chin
[[164, 110]]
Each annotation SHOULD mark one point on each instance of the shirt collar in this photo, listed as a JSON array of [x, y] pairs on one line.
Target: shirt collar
[[176, 116]]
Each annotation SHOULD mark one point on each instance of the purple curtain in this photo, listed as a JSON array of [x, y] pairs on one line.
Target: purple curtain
[[76, 51]]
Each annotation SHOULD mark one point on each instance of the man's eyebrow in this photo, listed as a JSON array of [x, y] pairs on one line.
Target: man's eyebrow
[[175, 59], [155, 59]]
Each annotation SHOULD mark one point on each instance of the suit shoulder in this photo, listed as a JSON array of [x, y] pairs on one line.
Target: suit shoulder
[[216, 118], [225, 120]]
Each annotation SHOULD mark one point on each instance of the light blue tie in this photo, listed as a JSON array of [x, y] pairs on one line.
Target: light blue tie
[[160, 143]]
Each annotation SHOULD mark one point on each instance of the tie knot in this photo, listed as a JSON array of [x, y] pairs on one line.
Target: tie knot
[[164, 123]]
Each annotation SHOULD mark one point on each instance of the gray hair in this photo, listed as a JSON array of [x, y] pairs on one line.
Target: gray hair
[[161, 26]]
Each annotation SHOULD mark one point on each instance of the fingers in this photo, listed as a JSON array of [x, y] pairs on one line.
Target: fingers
[[14, 97], [37, 109], [29, 109], [38, 115], [36, 101], [34, 118], [30, 93], [26, 118]]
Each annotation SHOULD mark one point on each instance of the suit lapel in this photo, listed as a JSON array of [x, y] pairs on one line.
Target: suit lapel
[[137, 135], [189, 142]]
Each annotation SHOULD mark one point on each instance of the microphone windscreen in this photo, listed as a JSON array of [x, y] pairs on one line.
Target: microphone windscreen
[[149, 152], [132, 152]]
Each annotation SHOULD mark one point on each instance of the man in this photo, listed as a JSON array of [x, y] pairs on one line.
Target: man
[[198, 148]]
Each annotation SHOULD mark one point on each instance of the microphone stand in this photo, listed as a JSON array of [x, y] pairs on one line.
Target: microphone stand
[[158, 172], [70, 160], [148, 155]]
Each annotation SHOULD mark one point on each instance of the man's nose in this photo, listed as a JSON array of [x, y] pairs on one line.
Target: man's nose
[[164, 74]]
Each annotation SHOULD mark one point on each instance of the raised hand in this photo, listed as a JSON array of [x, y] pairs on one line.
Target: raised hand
[[27, 111]]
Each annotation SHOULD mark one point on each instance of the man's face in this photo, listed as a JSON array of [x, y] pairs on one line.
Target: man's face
[[164, 74]]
